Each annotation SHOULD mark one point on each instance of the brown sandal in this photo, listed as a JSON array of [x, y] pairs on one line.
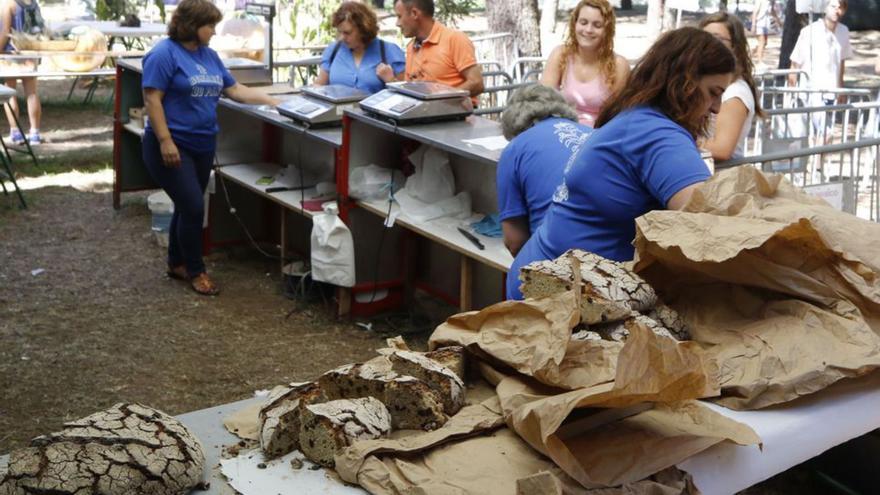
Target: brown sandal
[[203, 285], [177, 272]]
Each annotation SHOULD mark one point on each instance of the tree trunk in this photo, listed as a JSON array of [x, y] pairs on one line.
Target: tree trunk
[[655, 18], [519, 17], [548, 19], [791, 29]]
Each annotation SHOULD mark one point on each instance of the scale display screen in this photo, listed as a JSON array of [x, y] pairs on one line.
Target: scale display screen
[[428, 90], [335, 93]]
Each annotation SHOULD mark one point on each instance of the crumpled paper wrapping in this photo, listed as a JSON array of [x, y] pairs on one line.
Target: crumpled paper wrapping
[[550, 377], [780, 288]]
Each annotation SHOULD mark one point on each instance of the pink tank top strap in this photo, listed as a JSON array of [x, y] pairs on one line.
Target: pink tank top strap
[[586, 97]]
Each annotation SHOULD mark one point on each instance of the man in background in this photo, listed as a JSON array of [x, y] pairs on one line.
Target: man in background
[[437, 53], [822, 50]]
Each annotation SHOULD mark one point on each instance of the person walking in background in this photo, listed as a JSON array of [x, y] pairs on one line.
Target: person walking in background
[[436, 52], [22, 16], [821, 51], [740, 102], [544, 136], [358, 58], [182, 83], [585, 68], [765, 21], [642, 156]]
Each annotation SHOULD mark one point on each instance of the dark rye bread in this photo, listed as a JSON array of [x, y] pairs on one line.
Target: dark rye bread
[[280, 417], [440, 378], [329, 427], [413, 404], [609, 291]]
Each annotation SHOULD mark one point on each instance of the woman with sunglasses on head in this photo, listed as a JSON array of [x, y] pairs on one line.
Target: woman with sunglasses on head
[[740, 102], [183, 80], [359, 59], [641, 157], [585, 68]]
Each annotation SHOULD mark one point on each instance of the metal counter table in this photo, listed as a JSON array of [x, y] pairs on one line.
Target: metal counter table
[[476, 281], [791, 433]]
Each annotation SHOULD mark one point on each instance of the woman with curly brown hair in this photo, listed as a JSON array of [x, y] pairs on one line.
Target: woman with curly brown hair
[[740, 102], [585, 68], [182, 83], [358, 58], [641, 157]]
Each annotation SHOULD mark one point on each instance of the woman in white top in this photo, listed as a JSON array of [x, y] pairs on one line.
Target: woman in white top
[[740, 102], [585, 68]]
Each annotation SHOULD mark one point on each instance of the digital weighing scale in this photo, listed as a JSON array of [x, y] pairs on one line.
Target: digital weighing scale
[[418, 102], [321, 105]]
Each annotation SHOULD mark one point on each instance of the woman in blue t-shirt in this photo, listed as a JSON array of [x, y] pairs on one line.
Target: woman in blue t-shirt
[[641, 157], [359, 59], [183, 80], [544, 136]]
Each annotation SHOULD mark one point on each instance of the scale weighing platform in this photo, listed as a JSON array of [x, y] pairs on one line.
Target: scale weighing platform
[[320, 106], [418, 102]]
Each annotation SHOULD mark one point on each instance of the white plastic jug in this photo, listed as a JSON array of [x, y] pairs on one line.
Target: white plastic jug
[[332, 248]]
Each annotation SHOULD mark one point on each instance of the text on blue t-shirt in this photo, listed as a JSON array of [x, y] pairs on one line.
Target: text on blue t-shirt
[[192, 82]]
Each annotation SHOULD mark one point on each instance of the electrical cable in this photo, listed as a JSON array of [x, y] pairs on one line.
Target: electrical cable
[[385, 227]]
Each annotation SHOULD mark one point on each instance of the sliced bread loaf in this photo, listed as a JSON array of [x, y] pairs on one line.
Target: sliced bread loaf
[[451, 357], [413, 404], [280, 417], [440, 378], [609, 291], [329, 427]]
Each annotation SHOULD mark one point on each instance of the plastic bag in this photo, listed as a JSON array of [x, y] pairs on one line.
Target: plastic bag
[[457, 206], [433, 180], [372, 182], [332, 248]]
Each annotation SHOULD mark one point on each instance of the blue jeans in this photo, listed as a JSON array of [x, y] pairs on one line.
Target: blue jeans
[[185, 186]]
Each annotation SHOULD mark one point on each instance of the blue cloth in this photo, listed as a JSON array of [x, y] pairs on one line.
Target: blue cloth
[[531, 167], [363, 77], [633, 164], [185, 186], [489, 226], [192, 82]]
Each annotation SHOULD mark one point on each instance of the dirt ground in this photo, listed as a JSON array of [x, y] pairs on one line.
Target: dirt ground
[[88, 318]]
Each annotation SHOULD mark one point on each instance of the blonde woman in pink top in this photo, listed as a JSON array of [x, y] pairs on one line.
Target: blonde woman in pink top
[[585, 68]]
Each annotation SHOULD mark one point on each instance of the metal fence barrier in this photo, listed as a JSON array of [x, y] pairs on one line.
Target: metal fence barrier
[[845, 174]]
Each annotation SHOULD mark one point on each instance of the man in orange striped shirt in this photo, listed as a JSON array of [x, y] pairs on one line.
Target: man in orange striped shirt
[[437, 53]]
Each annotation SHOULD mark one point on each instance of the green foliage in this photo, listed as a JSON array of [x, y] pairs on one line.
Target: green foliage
[[112, 10], [310, 21], [449, 12]]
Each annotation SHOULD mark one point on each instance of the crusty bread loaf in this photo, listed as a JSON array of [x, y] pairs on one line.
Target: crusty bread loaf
[[123, 450], [585, 335], [280, 417], [413, 404], [609, 291], [451, 357], [670, 319], [440, 378], [329, 427], [618, 331]]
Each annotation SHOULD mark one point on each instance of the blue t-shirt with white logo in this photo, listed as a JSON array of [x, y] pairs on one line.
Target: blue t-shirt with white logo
[[363, 77], [192, 82], [633, 164], [531, 167]]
